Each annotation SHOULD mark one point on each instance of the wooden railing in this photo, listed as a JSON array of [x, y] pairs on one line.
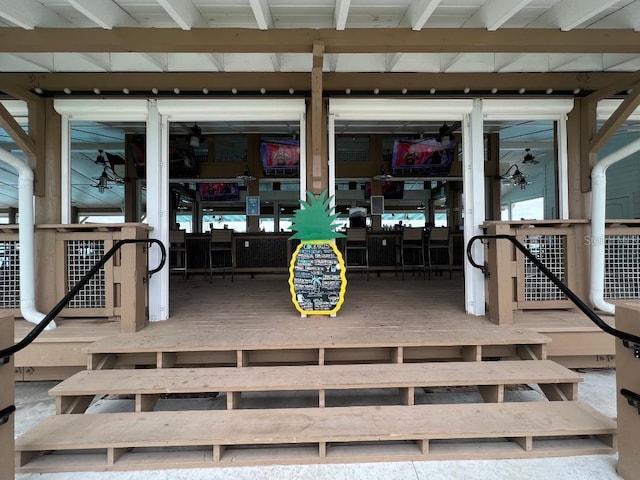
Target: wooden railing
[[7, 399], [513, 283], [119, 290], [628, 381]]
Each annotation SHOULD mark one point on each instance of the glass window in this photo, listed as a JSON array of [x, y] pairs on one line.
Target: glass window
[[352, 148]]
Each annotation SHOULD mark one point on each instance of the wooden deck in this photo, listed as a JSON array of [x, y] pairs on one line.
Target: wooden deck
[[250, 312], [369, 372]]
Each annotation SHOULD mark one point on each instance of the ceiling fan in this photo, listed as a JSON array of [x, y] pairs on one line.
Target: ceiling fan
[[528, 158]]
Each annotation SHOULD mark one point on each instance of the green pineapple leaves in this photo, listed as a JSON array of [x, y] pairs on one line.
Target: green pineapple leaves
[[315, 220]]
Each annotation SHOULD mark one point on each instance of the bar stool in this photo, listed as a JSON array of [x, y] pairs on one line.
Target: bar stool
[[412, 248], [178, 252], [356, 253], [221, 250], [439, 243]]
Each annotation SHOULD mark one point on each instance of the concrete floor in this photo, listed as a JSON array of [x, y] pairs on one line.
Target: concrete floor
[[598, 389]]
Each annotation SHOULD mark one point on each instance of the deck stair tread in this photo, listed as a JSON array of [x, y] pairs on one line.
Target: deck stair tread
[[521, 429], [350, 376], [309, 336]]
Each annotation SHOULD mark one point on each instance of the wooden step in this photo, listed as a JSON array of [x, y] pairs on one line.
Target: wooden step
[[153, 440], [76, 393], [312, 345]]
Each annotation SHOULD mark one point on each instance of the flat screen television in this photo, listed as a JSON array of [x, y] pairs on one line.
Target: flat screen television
[[280, 158], [422, 157], [183, 158], [391, 190], [217, 192]]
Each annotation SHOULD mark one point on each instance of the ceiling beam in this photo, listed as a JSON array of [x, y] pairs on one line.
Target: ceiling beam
[[419, 12], [361, 40], [184, 13], [29, 14], [262, 12], [248, 81], [104, 13], [495, 13], [341, 13], [570, 14], [15, 131], [617, 118]]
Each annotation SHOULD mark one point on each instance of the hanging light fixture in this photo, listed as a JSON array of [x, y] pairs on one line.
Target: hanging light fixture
[[246, 177], [444, 135], [383, 175], [516, 178], [195, 136], [100, 160], [422, 206]]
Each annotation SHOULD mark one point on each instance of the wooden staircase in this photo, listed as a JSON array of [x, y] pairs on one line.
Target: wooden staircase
[[365, 427]]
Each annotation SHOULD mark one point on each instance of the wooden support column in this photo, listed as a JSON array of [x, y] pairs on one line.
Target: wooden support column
[[587, 132], [317, 173], [499, 265], [133, 313], [48, 207], [627, 320], [7, 398], [492, 170]]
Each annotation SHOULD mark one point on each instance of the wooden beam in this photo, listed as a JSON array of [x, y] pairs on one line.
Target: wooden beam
[[359, 40], [15, 131], [262, 13], [613, 88], [341, 13], [617, 118], [300, 81], [587, 131], [316, 119]]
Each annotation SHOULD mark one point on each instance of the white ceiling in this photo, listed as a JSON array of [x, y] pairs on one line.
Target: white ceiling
[[564, 15]]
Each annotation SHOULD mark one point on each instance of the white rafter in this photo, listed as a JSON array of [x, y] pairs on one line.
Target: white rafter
[[105, 13], [392, 61], [570, 14], [184, 13], [158, 59], [453, 61], [30, 14], [493, 14], [217, 59], [275, 61], [44, 61], [626, 17], [341, 13], [419, 12], [262, 12], [97, 59]]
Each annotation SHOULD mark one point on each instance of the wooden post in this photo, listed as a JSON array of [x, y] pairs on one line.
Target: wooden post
[[499, 264], [134, 285], [7, 398], [627, 365]]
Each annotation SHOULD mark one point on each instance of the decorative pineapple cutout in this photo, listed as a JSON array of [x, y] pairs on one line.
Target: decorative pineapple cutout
[[317, 277]]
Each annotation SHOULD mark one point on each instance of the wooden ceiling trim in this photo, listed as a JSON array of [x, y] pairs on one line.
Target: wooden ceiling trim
[[361, 40]]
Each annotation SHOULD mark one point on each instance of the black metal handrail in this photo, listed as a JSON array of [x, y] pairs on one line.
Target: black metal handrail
[[627, 338], [37, 330]]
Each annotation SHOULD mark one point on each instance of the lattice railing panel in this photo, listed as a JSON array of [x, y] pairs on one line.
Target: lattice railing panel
[[9, 274], [81, 256], [622, 266], [551, 251]]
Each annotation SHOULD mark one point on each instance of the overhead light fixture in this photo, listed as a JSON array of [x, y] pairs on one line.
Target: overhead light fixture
[[528, 158], [422, 206], [246, 177], [516, 178], [100, 160], [195, 136], [383, 175], [444, 135], [104, 179]]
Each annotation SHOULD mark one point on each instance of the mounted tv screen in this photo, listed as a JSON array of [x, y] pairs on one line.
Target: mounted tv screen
[[423, 157], [183, 158], [392, 190], [218, 192], [280, 158]]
